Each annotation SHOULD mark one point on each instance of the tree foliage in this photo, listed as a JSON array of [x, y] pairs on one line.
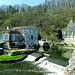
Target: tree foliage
[[47, 17]]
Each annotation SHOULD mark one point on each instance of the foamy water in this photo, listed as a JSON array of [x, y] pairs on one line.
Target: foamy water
[[40, 60], [50, 68], [30, 58]]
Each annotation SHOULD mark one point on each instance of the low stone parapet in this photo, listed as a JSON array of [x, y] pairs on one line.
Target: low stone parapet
[[21, 51]]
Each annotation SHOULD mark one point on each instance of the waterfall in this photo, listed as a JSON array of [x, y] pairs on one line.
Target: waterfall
[[52, 67], [40, 60], [44, 63], [30, 58]]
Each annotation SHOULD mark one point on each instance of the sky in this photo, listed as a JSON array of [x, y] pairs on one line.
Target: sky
[[29, 2]]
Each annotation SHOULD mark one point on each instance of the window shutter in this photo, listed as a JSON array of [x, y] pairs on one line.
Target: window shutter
[[30, 30], [33, 30], [21, 37], [2, 36], [22, 31], [7, 37], [12, 36], [15, 37], [30, 37]]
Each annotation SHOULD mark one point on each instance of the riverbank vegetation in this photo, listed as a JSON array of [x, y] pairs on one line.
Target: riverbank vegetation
[[7, 57]]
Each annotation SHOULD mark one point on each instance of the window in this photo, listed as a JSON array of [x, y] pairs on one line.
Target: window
[[22, 31], [70, 34], [18, 36], [5, 37], [31, 31], [31, 37], [2, 36], [66, 34], [74, 34]]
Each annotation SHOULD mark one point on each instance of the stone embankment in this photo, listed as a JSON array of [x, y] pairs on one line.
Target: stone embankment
[[70, 69], [19, 51]]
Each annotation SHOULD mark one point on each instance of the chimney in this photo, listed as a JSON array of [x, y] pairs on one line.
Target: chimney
[[7, 28]]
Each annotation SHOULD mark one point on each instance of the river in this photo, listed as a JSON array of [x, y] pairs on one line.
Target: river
[[29, 66], [22, 68]]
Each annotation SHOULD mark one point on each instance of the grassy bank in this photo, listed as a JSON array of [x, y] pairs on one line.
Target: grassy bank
[[7, 57]]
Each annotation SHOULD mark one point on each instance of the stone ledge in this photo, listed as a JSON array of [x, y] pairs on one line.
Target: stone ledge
[[21, 51]]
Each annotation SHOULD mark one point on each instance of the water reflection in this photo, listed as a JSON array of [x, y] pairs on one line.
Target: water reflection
[[22, 68], [41, 49]]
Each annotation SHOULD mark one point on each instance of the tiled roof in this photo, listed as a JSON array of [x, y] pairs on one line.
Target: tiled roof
[[24, 27], [71, 25]]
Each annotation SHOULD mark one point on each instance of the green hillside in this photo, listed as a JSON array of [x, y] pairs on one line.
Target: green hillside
[[46, 17]]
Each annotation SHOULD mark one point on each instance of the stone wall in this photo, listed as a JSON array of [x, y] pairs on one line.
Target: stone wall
[[70, 69], [67, 54], [29, 41], [70, 41], [6, 45]]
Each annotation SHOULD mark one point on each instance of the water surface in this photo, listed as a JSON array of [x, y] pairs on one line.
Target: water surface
[[22, 68]]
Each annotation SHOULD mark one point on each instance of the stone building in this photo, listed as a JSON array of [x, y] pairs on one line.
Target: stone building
[[19, 36], [29, 35], [9, 38], [69, 35]]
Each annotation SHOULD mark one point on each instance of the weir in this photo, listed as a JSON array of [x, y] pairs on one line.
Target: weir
[[34, 57], [52, 67], [30, 58], [47, 62], [40, 60]]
